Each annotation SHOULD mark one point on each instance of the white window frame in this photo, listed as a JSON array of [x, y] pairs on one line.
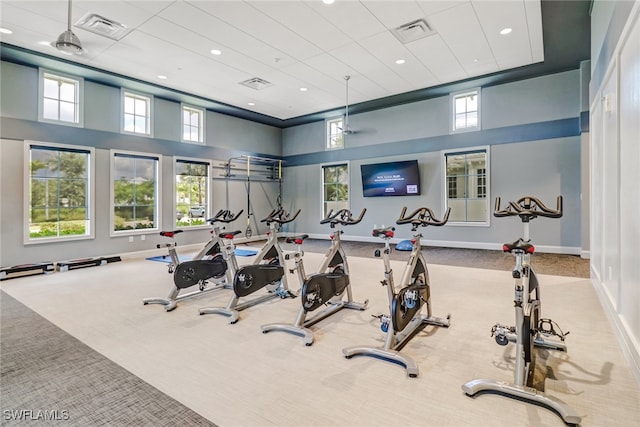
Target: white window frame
[[158, 195], [201, 128], [90, 206], [487, 185], [324, 165], [124, 93], [209, 200], [329, 135], [78, 95], [452, 109]]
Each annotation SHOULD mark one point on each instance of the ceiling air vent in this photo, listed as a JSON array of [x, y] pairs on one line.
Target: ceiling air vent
[[256, 83], [102, 26], [412, 31]]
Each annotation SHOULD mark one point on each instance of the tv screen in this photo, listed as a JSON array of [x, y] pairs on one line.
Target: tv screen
[[391, 179]]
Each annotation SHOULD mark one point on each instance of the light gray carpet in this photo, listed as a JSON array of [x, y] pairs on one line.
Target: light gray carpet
[[49, 377], [234, 375]]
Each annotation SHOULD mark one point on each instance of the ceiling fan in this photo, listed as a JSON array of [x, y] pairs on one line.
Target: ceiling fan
[[347, 130], [68, 42]]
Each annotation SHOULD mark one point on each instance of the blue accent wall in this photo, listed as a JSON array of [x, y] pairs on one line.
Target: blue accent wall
[[506, 135], [531, 129]]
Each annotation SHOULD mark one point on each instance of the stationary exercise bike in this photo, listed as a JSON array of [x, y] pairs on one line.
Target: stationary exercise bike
[[267, 272], [329, 287], [405, 319], [530, 329], [216, 261]]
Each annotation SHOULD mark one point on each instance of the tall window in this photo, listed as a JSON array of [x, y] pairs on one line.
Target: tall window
[[465, 111], [59, 192], [192, 192], [137, 113], [60, 98], [135, 191], [467, 186], [192, 124], [335, 191], [335, 135]]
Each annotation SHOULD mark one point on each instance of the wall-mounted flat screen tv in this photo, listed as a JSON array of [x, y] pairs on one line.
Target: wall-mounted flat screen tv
[[391, 179]]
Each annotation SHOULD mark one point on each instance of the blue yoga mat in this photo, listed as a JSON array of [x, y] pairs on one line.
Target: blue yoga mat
[[245, 252], [167, 258]]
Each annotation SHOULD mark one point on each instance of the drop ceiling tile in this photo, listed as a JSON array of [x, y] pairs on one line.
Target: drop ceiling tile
[[351, 17], [315, 78], [510, 50], [436, 56], [461, 31], [533, 10], [250, 20], [154, 7], [429, 7], [304, 21], [330, 66], [387, 48], [54, 10], [368, 65], [201, 46], [222, 34], [393, 16], [128, 14]]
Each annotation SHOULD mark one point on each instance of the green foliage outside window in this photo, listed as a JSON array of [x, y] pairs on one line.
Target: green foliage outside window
[[58, 193], [335, 187], [134, 193], [192, 180]]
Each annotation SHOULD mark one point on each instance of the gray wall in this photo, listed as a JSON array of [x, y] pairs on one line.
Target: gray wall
[[226, 137], [531, 127]]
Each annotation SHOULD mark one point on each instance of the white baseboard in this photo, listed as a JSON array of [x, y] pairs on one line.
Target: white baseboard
[[569, 250], [195, 247], [628, 343]]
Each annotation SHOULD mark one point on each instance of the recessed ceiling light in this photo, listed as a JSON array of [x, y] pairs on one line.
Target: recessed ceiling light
[[252, 103], [303, 89], [328, 1], [216, 52], [475, 59], [505, 31], [45, 43], [5, 31], [161, 77], [400, 61]]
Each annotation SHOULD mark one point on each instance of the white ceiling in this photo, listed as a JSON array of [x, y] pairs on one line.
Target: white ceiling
[[292, 44]]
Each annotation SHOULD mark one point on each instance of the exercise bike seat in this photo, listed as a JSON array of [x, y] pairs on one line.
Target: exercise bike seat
[[296, 239], [518, 245], [170, 234], [320, 288], [383, 232], [229, 234]]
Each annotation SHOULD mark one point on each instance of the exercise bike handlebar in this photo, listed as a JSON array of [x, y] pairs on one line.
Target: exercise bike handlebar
[[224, 215], [422, 217], [342, 216], [527, 208], [280, 216]]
